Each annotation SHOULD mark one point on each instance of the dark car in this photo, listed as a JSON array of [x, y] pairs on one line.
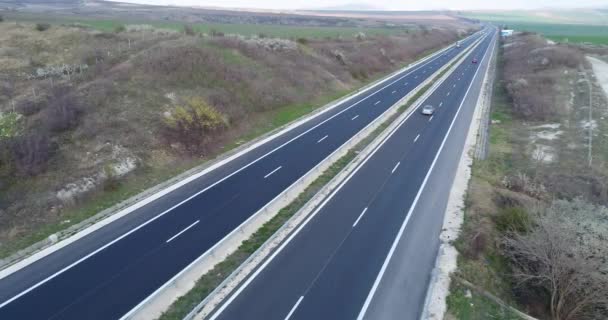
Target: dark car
[[474, 60]]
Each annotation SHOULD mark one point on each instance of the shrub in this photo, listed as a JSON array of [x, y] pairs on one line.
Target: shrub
[[112, 181], [302, 41], [10, 124], [63, 110], [42, 26], [120, 28], [31, 152], [189, 30], [564, 255], [512, 219], [216, 33], [1, 18], [475, 245], [194, 124]]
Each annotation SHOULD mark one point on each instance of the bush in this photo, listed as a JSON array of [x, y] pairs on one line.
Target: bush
[[31, 152], [189, 30], [512, 219], [1, 18], [63, 110], [216, 33], [120, 28], [194, 123], [42, 26], [564, 255], [302, 41]]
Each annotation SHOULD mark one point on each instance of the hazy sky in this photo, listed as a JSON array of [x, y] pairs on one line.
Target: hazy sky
[[386, 4]]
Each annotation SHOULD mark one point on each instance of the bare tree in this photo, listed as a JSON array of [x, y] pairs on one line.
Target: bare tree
[[565, 253]]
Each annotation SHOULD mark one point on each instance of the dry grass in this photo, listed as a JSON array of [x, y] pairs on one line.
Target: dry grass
[[513, 183], [105, 137]]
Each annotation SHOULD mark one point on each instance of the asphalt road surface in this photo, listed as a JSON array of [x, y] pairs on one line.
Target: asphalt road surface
[[368, 252], [108, 272]]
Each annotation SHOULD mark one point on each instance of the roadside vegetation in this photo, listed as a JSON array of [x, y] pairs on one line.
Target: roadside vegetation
[[89, 118], [536, 209]]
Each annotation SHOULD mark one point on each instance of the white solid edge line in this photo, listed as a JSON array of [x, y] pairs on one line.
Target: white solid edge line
[[184, 230], [322, 138], [395, 168], [43, 253], [273, 171], [416, 139], [409, 213], [293, 309], [303, 224], [360, 216], [17, 266], [355, 117]]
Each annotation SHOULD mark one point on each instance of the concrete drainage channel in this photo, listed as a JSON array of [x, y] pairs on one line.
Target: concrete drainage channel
[[185, 280]]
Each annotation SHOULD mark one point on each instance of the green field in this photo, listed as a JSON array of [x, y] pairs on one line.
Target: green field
[[589, 28], [279, 31]]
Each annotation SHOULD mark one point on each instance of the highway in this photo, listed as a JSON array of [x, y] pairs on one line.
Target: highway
[[367, 252], [108, 272]]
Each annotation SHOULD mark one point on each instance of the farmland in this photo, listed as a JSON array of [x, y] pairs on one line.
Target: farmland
[[576, 27], [245, 29]]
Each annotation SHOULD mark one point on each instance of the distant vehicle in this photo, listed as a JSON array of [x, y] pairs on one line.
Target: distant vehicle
[[474, 60], [428, 110], [458, 44]]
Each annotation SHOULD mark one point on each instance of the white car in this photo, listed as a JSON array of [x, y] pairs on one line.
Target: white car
[[428, 110]]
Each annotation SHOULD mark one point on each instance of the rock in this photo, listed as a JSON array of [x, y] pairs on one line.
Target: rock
[[468, 294], [272, 44], [53, 238]]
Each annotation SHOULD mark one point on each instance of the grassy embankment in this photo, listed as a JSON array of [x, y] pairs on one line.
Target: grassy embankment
[[116, 109], [537, 153]]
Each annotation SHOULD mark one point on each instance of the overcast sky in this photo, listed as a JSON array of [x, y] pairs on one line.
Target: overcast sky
[[386, 4]]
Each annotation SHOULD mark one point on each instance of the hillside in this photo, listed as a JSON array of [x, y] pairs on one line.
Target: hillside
[[90, 118]]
